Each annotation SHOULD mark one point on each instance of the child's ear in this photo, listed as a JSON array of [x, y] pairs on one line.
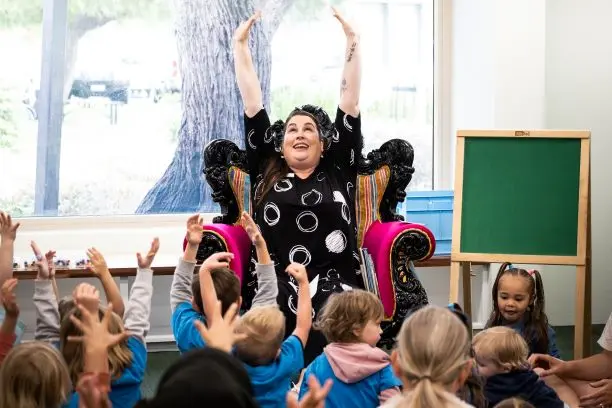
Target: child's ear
[[357, 331], [239, 302], [465, 373], [195, 306], [395, 364]]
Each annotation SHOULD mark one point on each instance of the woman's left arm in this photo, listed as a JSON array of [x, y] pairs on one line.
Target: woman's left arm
[[351, 75]]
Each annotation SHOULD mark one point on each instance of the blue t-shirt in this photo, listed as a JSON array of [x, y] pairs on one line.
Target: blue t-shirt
[[125, 391], [272, 382], [363, 393], [519, 327], [185, 332]]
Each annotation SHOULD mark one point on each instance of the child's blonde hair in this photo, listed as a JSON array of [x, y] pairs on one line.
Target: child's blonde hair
[[433, 348], [119, 356], [264, 328], [347, 312], [503, 347], [34, 375], [513, 403]]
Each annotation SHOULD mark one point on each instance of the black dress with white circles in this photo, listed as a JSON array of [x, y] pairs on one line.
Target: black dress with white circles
[[309, 221]]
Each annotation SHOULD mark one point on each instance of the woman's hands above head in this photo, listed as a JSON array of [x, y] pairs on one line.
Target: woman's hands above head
[[346, 27], [241, 35]]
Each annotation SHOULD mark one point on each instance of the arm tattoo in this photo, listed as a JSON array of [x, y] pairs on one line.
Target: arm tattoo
[[344, 86], [351, 51]]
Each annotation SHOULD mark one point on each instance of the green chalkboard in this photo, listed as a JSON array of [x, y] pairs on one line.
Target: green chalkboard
[[520, 196]]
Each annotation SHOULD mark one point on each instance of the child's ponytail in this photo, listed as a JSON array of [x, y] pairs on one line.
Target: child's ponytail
[[426, 394], [433, 351], [536, 322]]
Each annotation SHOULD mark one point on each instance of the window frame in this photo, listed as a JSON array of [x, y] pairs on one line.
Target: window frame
[[443, 137]]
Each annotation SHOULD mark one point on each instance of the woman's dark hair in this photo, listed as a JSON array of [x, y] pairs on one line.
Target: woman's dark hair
[[535, 319], [276, 168]]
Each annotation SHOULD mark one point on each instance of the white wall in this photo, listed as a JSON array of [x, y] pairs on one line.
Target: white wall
[[531, 64], [578, 92], [515, 64]]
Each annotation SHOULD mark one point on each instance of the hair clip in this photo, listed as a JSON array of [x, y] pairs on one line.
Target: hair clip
[[531, 272]]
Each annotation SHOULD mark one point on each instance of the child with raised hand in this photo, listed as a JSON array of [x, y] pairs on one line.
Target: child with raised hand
[[186, 293], [518, 302], [94, 383], [97, 266], [501, 356], [270, 361], [45, 301], [11, 316], [361, 372], [8, 234], [127, 359]]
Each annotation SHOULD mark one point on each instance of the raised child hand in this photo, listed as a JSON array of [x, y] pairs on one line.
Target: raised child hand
[[8, 229], [314, 398], [194, 230], [298, 271], [251, 229], [216, 261], [220, 332], [241, 35], [145, 263], [9, 300], [49, 257], [41, 263], [95, 332], [98, 264], [87, 296]]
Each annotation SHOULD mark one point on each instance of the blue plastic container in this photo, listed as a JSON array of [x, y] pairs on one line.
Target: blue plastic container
[[434, 209]]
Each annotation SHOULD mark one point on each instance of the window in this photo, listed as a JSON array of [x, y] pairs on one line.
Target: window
[[145, 88]]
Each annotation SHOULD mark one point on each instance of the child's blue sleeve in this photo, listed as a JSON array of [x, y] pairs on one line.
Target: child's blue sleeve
[[136, 370], [291, 356], [304, 385], [552, 343], [185, 333]]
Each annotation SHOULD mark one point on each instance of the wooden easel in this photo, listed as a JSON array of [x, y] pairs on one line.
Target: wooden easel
[[460, 268]]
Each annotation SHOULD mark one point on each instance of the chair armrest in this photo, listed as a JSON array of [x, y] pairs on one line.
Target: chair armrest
[[225, 238], [392, 245]]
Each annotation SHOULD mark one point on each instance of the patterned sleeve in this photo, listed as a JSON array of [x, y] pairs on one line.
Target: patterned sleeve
[[347, 145], [258, 145]]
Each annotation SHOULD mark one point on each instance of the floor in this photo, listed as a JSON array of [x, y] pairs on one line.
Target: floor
[[160, 360]]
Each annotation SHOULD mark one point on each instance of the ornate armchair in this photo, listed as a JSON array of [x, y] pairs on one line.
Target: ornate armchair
[[393, 244]]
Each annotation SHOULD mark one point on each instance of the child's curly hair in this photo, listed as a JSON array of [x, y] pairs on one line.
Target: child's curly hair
[[347, 312]]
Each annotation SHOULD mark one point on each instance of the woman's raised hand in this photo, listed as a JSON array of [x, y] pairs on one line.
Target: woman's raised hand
[[348, 30], [241, 35]]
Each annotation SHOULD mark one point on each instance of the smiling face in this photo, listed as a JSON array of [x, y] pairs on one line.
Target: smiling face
[[513, 297], [302, 145]]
